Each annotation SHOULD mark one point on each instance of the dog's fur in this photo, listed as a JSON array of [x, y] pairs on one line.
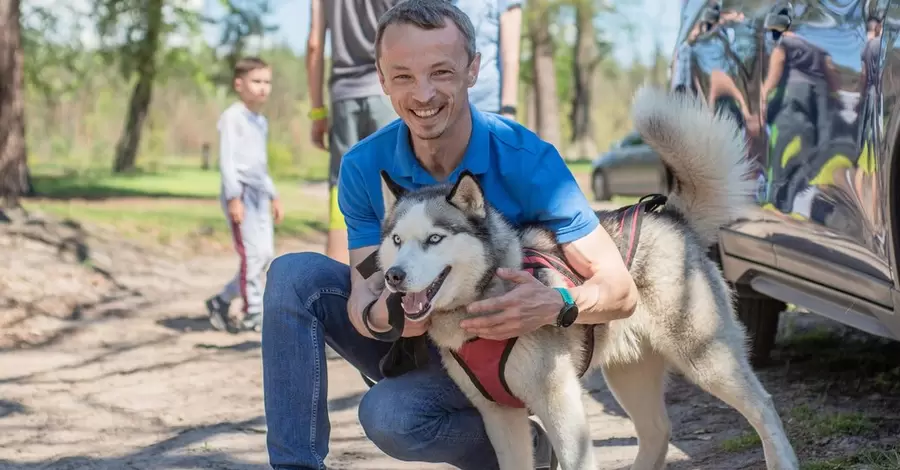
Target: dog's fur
[[684, 317]]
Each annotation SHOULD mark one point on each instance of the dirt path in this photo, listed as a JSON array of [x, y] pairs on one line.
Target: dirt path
[[140, 382]]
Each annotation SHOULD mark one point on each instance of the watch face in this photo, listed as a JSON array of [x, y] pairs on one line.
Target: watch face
[[568, 316]]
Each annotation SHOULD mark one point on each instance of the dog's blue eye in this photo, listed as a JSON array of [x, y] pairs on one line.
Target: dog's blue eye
[[396, 239], [435, 239]]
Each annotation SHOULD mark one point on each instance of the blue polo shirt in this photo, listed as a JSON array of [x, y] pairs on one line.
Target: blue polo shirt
[[523, 177]]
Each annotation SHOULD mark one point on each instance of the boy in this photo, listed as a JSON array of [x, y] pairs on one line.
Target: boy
[[247, 193]]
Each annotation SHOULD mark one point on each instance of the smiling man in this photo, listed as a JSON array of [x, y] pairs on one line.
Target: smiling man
[[427, 62]]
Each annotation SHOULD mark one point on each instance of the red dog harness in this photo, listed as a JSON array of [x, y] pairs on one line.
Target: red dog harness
[[484, 360]]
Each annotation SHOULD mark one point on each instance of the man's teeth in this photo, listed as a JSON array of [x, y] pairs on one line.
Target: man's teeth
[[424, 113]]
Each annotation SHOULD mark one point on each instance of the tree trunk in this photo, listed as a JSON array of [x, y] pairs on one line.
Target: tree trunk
[[139, 107], [544, 73], [14, 180], [531, 108], [584, 145]]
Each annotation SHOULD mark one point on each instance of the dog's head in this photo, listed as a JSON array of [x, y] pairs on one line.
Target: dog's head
[[435, 247]]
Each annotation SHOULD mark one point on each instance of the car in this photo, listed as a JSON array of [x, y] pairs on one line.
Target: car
[[811, 87], [629, 168]]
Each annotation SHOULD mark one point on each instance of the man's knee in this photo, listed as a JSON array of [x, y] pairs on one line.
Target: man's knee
[[395, 420], [303, 274]]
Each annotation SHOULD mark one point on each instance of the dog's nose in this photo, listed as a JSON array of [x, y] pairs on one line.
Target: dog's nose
[[395, 276]]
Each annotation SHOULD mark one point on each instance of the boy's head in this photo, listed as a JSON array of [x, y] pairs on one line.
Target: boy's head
[[252, 81]]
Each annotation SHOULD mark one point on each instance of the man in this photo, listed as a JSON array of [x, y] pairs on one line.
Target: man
[[427, 62], [498, 30], [358, 106]]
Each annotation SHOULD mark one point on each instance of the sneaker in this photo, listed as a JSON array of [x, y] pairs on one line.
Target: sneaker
[[252, 322], [543, 450], [218, 312]]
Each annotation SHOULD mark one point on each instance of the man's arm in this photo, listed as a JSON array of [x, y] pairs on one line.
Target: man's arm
[[510, 45], [609, 293], [315, 54], [363, 292]]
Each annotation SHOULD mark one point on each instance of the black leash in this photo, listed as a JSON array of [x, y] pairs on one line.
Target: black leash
[[405, 354]]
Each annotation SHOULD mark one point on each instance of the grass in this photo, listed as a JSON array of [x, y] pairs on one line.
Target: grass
[[870, 459], [580, 167], [167, 201], [164, 207]]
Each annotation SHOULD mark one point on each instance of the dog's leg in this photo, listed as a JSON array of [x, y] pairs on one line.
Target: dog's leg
[[728, 376], [640, 388], [510, 433], [561, 411]]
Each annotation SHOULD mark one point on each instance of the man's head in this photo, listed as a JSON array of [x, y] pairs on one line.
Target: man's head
[[252, 81], [426, 57]]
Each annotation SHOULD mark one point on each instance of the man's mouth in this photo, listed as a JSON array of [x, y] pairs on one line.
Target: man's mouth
[[418, 304], [427, 112]]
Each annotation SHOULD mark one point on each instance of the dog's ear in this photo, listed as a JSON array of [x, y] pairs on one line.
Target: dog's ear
[[467, 195], [390, 191]]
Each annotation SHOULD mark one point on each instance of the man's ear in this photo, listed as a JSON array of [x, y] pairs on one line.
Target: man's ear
[[468, 196], [474, 68], [390, 192], [381, 78]]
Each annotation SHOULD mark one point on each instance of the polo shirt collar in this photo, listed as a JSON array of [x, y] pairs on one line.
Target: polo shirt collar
[[475, 159]]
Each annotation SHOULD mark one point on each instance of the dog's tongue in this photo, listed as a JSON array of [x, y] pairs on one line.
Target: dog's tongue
[[414, 302]]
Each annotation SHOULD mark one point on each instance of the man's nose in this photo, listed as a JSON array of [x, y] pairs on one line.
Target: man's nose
[[424, 91]]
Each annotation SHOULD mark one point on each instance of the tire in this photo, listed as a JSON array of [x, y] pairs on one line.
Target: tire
[[599, 186], [760, 315]]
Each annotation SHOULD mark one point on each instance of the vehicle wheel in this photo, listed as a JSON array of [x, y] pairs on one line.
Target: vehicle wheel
[[599, 186], [760, 315]]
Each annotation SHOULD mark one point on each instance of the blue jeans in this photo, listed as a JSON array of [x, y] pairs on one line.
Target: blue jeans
[[418, 417]]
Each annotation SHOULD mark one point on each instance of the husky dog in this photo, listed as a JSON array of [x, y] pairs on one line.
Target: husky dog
[[443, 244]]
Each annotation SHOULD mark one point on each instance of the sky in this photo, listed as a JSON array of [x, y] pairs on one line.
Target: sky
[[661, 24]]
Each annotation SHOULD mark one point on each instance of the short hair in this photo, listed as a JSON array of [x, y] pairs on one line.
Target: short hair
[[427, 15], [245, 65]]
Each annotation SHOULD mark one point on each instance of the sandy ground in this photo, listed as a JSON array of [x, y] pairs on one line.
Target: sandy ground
[[135, 379]]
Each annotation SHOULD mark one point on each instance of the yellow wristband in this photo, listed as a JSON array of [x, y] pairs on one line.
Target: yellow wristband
[[318, 113]]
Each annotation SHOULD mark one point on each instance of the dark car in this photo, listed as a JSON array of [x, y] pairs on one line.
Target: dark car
[[813, 87], [629, 168]]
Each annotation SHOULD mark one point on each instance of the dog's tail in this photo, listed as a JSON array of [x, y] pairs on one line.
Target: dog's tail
[[705, 153]]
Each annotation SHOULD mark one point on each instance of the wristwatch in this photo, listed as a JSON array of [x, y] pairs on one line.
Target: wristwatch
[[569, 312], [508, 109]]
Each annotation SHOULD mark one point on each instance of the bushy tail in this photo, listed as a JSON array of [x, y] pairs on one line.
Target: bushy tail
[[705, 153]]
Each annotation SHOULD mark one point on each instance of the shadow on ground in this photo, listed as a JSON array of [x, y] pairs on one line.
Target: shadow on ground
[[161, 454]]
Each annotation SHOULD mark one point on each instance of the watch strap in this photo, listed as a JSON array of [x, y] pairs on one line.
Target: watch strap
[[564, 293]]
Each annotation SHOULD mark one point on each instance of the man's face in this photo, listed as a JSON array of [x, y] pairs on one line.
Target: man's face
[[427, 74], [254, 86]]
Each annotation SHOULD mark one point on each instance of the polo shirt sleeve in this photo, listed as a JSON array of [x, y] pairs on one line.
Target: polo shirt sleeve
[[363, 225], [554, 199]]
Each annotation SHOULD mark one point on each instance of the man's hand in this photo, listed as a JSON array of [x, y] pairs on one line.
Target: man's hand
[[529, 306], [378, 320], [319, 130], [277, 210], [236, 210]]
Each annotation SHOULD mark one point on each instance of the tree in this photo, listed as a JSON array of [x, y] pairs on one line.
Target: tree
[[546, 102], [14, 181], [138, 57], [587, 57]]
